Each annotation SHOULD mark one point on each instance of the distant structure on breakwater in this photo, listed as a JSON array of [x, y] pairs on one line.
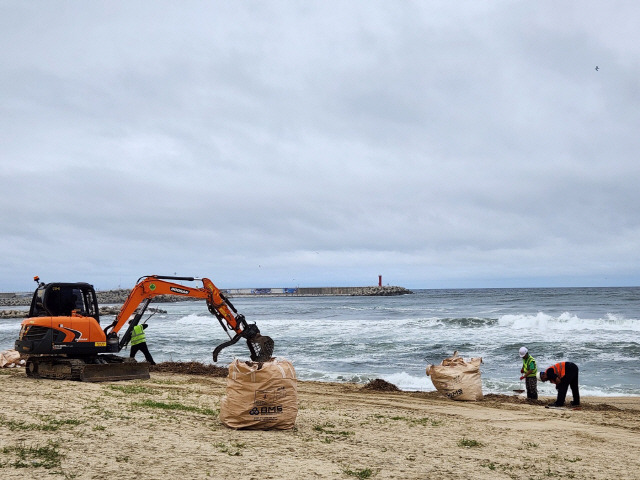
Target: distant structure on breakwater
[[317, 291]]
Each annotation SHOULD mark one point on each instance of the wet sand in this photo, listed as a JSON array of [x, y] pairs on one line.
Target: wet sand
[[168, 427]]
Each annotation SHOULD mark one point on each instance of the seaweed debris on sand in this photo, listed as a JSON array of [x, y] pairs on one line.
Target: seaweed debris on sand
[[190, 368], [380, 385]]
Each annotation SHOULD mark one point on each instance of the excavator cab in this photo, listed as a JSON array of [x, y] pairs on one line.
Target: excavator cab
[[62, 299], [62, 337]]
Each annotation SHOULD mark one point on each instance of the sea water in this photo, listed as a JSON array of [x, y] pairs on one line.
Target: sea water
[[356, 339]]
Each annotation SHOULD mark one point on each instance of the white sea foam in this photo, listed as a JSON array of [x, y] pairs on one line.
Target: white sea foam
[[568, 322], [195, 320], [10, 327], [404, 381]]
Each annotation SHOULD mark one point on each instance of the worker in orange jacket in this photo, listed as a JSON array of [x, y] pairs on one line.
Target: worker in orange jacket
[[564, 375]]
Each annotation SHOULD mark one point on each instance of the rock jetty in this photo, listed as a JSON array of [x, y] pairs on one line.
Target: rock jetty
[[317, 291], [118, 297], [116, 310], [104, 311], [106, 297], [14, 313], [15, 301], [382, 291]]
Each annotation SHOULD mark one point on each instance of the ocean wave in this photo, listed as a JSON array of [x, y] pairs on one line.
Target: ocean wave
[[194, 319], [10, 327], [568, 322], [549, 390], [407, 382], [468, 322]]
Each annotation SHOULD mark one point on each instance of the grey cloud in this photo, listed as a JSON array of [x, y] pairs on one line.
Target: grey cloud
[[448, 145]]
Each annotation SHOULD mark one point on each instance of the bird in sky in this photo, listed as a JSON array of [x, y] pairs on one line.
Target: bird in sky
[[597, 68]]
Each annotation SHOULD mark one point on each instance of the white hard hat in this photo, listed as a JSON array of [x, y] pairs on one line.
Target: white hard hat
[[523, 351]]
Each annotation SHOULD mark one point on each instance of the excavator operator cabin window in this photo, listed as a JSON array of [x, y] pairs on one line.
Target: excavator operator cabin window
[[52, 301], [37, 306], [78, 300]]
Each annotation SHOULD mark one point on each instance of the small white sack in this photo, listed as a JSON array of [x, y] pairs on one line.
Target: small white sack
[[8, 358]]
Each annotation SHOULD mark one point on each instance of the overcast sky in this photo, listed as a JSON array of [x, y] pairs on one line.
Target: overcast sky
[[319, 143]]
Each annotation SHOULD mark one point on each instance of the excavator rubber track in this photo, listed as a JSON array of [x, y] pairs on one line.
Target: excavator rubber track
[[101, 368]]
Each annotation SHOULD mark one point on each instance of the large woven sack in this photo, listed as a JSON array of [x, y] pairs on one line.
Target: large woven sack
[[9, 358], [261, 396], [457, 379]]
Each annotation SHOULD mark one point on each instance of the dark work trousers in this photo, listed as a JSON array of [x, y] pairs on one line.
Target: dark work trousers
[[142, 347], [570, 379], [532, 388]]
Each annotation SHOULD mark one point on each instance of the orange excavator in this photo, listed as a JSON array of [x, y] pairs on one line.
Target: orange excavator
[[63, 339]]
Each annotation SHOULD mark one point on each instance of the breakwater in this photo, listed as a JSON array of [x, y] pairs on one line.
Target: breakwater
[[119, 296], [318, 291], [104, 310]]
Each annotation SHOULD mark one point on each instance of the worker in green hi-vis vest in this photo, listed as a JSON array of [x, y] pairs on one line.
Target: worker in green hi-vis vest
[[529, 370], [139, 343]]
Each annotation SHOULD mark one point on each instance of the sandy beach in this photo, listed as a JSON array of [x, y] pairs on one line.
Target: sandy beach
[[168, 427]]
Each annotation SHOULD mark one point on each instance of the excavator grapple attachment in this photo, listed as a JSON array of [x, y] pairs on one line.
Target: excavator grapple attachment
[[261, 348]]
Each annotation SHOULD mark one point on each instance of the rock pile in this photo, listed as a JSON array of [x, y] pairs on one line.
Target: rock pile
[[15, 301], [119, 296], [14, 313], [381, 291], [116, 310], [113, 296]]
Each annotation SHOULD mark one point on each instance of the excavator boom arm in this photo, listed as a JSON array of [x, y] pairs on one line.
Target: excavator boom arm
[[152, 286]]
